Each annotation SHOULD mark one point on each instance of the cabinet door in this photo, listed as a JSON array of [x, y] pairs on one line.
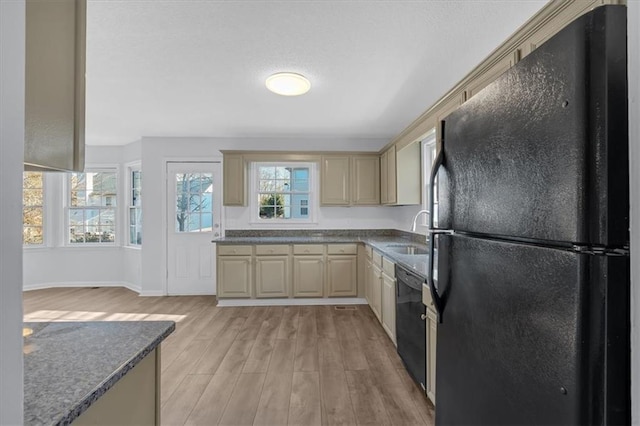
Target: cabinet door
[[335, 181], [272, 276], [391, 176], [233, 170], [365, 180], [342, 273], [54, 110], [308, 276], [368, 273], [234, 276], [389, 306], [384, 178], [376, 291], [432, 331]]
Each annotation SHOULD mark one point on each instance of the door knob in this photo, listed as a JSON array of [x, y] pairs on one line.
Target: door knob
[[423, 317]]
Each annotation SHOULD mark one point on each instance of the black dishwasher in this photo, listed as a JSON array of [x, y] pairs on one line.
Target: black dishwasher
[[410, 324]]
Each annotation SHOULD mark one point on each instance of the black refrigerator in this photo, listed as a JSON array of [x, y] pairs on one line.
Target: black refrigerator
[[532, 239]]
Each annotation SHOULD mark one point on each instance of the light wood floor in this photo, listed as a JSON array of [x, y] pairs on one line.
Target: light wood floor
[[306, 365]]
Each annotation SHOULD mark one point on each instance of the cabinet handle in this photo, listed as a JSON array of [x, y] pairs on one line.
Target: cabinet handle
[[341, 250], [306, 251], [233, 251]]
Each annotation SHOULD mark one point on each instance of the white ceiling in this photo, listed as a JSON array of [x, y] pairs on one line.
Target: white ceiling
[[197, 67]]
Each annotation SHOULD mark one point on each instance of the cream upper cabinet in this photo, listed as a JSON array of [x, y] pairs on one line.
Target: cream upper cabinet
[[388, 176], [308, 275], [365, 180], [234, 276], [400, 176], [350, 180], [432, 332], [388, 303], [55, 84], [335, 183], [234, 177]]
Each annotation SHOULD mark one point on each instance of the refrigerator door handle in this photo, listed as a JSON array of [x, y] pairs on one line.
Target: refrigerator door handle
[[432, 180], [437, 300], [432, 232]]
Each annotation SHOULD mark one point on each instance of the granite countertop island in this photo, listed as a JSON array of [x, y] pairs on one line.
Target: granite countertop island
[[380, 240], [69, 365]]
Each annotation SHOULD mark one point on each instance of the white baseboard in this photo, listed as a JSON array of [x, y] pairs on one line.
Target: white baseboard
[[80, 284], [293, 302], [152, 293]]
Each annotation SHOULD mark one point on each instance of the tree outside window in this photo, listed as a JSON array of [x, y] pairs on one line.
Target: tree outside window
[[32, 208], [194, 202]]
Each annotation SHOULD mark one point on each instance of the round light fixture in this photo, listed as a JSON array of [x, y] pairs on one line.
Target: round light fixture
[[288, 84]]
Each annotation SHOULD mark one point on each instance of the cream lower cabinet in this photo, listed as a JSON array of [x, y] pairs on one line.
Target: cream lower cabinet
[[376, 290], [272, 270], [234, 277], [342, 270], [308, 275], [367, 274], [272, 276], [388, 304], [342, 273], [432, 332], [133, 400]]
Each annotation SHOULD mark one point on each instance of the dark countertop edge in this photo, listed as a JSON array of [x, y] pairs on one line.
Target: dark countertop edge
[[111, 380]]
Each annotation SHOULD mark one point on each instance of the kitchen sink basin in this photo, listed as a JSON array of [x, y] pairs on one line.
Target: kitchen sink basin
[[406, 249]]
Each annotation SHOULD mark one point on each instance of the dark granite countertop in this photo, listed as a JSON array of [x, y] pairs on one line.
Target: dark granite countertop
[[380, 240], [69, 365]]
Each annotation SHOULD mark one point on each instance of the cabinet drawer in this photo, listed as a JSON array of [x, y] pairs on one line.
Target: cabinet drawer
[[268, 249], [342, 249], [377, 259], [388, 267], [369, 251], [234, 250], [308, 249]]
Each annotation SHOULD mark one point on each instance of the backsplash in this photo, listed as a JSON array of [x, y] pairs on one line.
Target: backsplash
[[230, 233]]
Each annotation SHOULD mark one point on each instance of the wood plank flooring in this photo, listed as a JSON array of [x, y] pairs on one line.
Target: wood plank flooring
[[295, 365]]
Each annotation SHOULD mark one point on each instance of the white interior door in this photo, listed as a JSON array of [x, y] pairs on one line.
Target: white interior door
[[194, 205]]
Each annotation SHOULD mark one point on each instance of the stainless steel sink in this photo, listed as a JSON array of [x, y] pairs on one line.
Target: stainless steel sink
[[406, 249]]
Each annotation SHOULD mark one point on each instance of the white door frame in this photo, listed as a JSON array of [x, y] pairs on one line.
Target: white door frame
[[165, 219]]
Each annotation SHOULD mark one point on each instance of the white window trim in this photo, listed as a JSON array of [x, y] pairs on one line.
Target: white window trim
[[130, 167], [107, 168], [427, 143], [314, 198]]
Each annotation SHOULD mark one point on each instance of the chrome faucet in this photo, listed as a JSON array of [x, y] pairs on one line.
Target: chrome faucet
[[415, 219]]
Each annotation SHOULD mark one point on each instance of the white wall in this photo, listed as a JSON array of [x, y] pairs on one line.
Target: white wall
[[12, 57], [633, 47], [58, 265], [157, 151]]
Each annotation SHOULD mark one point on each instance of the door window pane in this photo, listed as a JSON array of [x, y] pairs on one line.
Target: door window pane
[[193, 202]]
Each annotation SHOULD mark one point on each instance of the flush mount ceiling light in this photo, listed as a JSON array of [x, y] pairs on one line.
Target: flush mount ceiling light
[[288, 84]]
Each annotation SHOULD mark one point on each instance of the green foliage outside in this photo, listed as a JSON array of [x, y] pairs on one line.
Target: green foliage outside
[[272, 206]]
